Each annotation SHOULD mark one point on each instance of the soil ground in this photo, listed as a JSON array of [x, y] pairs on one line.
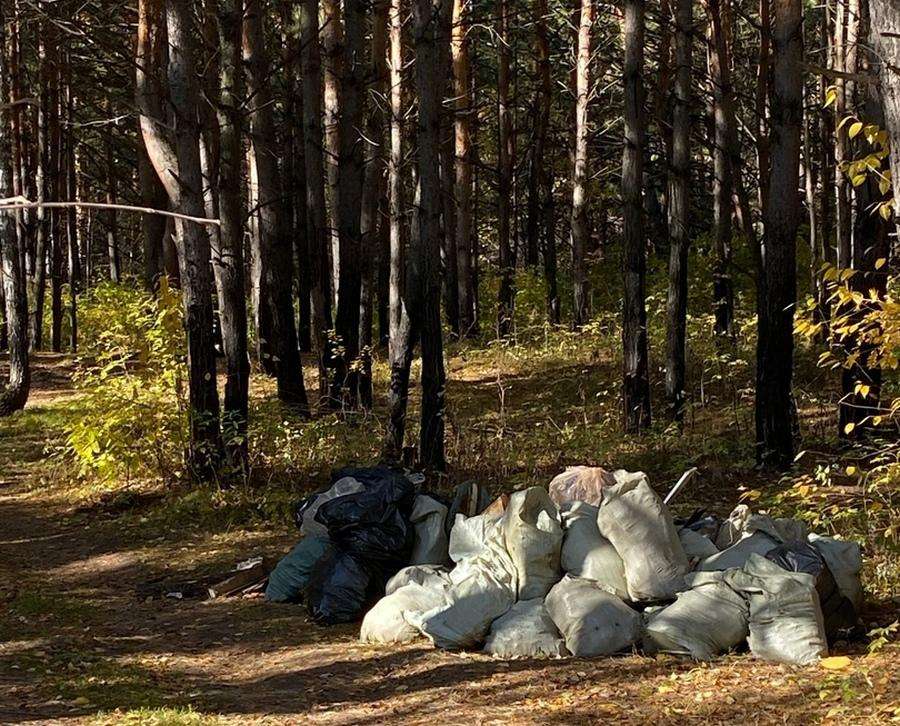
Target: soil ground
[[87, 635]]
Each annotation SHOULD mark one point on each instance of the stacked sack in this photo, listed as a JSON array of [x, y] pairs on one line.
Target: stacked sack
[[595, 564]]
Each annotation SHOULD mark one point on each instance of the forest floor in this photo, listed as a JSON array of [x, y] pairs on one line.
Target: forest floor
[[83, 639]]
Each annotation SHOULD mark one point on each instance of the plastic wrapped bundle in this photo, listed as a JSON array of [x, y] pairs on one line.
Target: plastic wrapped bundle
[[305, 514], [838, 611], [696, 546], [745, 533], [844, 559], [580, 484]]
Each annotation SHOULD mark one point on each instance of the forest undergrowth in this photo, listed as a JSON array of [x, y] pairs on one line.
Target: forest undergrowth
[[517, 414]]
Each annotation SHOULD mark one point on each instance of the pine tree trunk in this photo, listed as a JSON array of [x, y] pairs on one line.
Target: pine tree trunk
[[636, 388], [885, 38], [349, 205], [777, 278], [400, 343], [148, 98], [580, 228], [228, 254], [373, 193], [449, 260], [57, 169], [319, 234], [43, 181], [15, 393], [537, 182], [71, 187], [423, 269], [723, 178], [506, 299], [276, 252], [761, 97], [153, 226], [463, 147], [186, 196], [333, 52], [4, 328], [679, 213]]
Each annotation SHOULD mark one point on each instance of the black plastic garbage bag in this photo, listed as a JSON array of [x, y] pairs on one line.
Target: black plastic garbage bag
[[371, 476], [373, 539], [365, 477], [342, 587], [839, 613], [700, 522]]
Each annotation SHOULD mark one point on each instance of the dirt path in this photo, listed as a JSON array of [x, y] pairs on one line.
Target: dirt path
[[83, 637]]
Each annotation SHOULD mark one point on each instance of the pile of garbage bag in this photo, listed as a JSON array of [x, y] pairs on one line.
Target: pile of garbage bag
[[594, 564], [368, 524]]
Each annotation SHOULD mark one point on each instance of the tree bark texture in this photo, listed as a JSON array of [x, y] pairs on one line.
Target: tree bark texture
[[14, 394], [319, 234], [777, 278], [679, 213], [580, 226], [275, 248], [636, 383]]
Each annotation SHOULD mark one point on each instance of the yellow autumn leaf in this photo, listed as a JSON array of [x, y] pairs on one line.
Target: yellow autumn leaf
[[849, 427], [836, 662], [854, 129]]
